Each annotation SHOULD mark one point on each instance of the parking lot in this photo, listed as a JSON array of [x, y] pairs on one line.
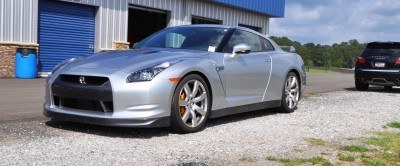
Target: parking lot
[[27, 138]]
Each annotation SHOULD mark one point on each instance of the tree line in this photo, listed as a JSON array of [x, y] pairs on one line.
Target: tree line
[[337, 55]]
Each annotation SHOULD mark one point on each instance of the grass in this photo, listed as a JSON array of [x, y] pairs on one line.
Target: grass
[[316, 141], [299, 161], [298, 150], [343, 157], [394, 125], [355, 148], [246, 159], [382, 149], [352, 138], [319, 71], [389, 149]]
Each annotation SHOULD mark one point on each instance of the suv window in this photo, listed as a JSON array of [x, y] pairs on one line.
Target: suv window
[[382, 48], [240, 37], [267, 46]]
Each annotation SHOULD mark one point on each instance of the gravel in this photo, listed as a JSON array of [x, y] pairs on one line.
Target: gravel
[[331, 116]]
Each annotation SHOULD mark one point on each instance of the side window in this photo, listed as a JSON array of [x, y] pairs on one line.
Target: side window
[[240, 37], [267, 46]]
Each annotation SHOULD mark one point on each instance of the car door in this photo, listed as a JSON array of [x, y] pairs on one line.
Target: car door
[[246, 76]]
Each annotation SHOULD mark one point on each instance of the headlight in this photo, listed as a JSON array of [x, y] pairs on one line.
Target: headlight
[[149, 73]]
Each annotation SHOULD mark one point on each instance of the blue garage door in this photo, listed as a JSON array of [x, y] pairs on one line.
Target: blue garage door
[[66, 30]]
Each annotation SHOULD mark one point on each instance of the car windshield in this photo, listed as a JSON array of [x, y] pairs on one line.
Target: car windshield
[[194, 38], [387, 49]]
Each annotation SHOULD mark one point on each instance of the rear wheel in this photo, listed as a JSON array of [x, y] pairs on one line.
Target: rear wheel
[[290, 94], [191, 105], [361, 86], [388, 87]]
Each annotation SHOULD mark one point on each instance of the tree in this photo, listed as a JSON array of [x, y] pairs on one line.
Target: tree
[[336, 55]]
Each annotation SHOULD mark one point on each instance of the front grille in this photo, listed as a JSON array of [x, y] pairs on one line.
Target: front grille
[[82, 104], [88, 80], [92, 94]]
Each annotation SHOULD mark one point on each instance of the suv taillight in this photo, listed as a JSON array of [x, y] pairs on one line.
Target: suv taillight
[[362, 60], [398, 61]]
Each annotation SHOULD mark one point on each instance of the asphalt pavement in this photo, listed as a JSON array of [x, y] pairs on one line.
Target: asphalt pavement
[[23, 99]]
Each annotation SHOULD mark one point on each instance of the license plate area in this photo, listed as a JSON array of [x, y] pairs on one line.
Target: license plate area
[[379, 64]]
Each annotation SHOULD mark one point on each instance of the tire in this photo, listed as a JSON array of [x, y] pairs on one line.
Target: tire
[[184, 106], [388, 87], [290, 93], [361, 86]]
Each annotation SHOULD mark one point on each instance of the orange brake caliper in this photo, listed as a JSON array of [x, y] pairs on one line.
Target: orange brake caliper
[[182, 108]]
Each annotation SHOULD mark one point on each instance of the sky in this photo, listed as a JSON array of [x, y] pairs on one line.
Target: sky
[[336, 21]]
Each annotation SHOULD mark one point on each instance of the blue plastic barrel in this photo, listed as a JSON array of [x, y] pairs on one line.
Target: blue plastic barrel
[[25, 63]]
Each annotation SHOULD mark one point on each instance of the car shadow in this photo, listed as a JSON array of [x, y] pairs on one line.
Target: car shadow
[[241, 117], [107, 131], [378, 89], [147, 133]]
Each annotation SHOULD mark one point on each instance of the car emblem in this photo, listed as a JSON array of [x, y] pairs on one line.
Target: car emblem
[[82, 80]]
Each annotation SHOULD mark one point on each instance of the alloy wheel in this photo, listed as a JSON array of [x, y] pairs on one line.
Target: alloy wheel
[[193, 102], [292, 92]]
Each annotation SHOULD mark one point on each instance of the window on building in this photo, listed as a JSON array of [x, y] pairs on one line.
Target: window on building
[[240, 37], [257, 29], [202, 20]]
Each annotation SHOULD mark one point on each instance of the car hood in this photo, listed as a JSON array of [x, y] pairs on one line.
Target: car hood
[[131, 60]]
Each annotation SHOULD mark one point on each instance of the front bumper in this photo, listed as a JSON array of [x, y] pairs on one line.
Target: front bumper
[[141, 104], [378, 77]]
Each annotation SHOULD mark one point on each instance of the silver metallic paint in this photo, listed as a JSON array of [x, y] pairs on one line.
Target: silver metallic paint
[[152, 99]]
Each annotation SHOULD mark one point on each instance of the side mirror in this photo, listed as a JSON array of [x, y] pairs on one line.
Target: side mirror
[[240, 49], [288, 48]]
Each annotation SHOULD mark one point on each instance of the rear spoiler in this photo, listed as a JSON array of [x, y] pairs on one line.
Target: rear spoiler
[[288, 48]]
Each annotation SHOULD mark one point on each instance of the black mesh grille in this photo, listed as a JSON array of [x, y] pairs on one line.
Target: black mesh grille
[[81, 104], [88, 80]]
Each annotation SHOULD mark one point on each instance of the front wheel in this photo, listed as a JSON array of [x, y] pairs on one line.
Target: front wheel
[[191, 105], [290, 94]]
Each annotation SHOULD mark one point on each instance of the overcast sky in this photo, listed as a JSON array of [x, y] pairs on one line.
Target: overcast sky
[[334, 21]]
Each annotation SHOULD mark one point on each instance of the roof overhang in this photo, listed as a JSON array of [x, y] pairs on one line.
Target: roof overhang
[[272, 8]]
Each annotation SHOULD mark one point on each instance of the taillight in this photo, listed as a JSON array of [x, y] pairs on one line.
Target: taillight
[[398, 61], [362, 60]]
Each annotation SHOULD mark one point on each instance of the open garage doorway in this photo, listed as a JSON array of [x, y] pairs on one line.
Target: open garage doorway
[[202, 20], [143, 22]]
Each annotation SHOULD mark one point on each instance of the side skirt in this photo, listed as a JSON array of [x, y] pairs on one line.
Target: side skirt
[[245, 108]]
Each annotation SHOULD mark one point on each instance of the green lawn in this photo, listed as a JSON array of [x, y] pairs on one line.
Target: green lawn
[[382, 149], [320, 71]]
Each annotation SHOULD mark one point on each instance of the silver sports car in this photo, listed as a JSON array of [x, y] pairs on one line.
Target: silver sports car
[[178, 77]]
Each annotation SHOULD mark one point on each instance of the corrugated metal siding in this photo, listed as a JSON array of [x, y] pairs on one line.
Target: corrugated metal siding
[[64, 34], [229, 16], [112, 17], [274, 8], [18, 21]]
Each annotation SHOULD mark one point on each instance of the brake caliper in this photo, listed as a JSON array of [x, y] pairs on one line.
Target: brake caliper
[[182, 108]]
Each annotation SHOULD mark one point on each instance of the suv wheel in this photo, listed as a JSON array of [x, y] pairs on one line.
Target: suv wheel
[[361, 86], [388, 87]]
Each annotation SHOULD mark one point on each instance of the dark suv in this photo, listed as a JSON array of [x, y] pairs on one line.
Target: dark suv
[[379, 64]]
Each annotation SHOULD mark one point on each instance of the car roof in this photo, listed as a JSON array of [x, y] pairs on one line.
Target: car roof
[[380, 44]]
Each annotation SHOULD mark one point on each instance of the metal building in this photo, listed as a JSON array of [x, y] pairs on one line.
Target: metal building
[[62, 29]]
